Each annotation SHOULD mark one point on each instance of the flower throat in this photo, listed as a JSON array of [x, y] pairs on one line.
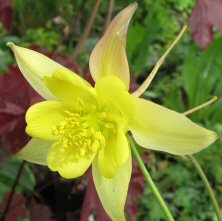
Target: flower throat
[[80, 132]]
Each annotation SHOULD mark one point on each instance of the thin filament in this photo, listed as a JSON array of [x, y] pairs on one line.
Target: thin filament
[[149, 79], [201, 106]]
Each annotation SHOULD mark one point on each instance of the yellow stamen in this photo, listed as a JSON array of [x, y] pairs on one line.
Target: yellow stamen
[[80, 133], [110, 126], [103, 115], [82, 152]]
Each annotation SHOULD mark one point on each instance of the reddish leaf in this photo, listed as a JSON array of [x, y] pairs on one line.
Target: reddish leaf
[[214, 10], [87, 76], [92, 202], [135, 191], [78, 186], [6, 13], [206, 14], [15, 98], [39, 212], [133, 83], [17, 207]]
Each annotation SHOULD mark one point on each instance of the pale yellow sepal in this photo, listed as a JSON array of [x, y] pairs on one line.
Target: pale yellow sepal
[[113, 191], [34, 66], [159, 128], [35, 151], [109, 55]]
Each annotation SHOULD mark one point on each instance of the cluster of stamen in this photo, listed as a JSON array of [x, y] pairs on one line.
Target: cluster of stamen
[[80, 133]]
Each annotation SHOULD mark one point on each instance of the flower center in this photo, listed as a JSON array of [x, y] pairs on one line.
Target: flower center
[[80, 133]]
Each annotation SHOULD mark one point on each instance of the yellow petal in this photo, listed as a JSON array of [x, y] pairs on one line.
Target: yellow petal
[[42, 117], [159, 128], [35, 151], [34, 67], [68, 86], [114, 154], [109, 55], [113, 191], [112, 90], [57, 161]]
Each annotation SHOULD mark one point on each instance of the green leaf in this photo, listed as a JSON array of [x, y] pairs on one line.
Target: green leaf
[[8, 175]]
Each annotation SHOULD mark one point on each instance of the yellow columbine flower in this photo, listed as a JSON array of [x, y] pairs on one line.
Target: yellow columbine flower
[[80, 125]]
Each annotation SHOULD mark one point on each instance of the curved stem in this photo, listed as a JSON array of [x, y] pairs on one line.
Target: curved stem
[[10, 198], [109, 13], [150, 182], [87, 30], [207, 185]]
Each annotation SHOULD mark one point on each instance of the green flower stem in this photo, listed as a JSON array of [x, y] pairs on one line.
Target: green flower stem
[[150, 181], [207, 185]]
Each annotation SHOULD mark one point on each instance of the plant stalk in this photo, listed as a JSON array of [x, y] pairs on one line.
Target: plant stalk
[[10, 198], [109, 13], [86, 31], [207, 185], [150, 182]]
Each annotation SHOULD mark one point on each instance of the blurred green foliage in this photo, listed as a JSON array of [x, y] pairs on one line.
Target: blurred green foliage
[[8, 173], [188, 78], [197, 80]]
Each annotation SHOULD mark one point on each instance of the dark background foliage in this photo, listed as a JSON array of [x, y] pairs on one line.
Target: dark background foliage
[[190, 76]]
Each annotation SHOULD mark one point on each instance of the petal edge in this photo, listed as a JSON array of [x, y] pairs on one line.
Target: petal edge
[[35, 151], [159, 128], [109, 55], [113, 192], [34, 66]]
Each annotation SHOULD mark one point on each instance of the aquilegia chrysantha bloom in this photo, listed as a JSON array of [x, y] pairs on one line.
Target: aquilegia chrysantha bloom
[[79, 125]]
